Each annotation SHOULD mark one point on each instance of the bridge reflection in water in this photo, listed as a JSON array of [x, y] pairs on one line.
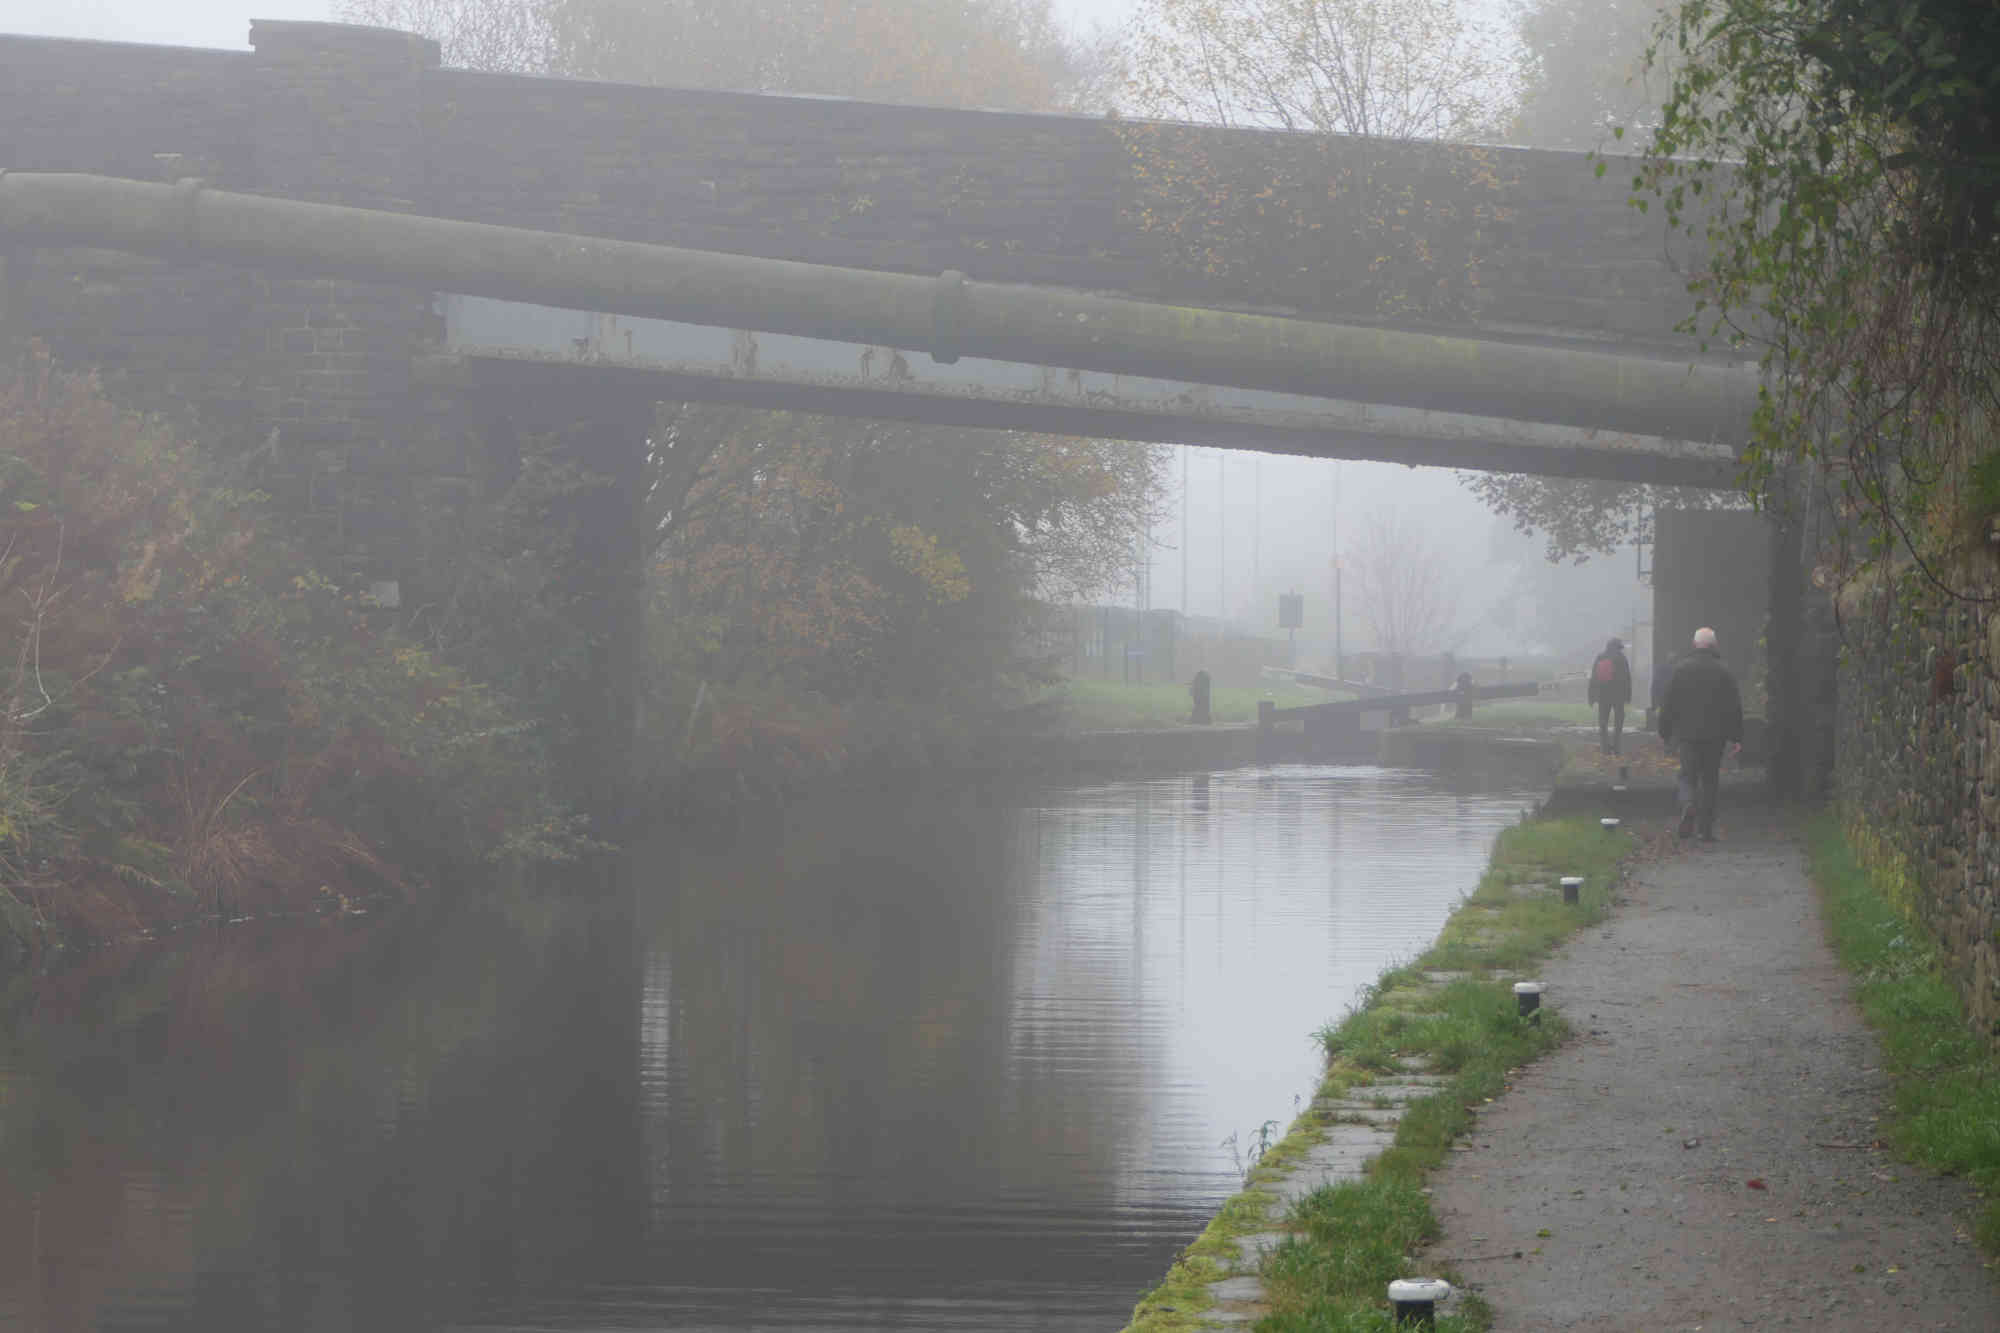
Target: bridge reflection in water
[[953, 1063]]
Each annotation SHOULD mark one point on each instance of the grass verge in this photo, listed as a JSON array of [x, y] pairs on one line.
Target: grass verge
[[1109, 705], [1946, 1113], [1451, 1010], [1531, 714]]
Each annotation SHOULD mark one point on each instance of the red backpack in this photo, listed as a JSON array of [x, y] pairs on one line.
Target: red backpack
[[1607, 671]]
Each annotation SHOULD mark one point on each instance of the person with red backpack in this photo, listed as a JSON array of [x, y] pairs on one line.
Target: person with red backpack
[[1611, 690]]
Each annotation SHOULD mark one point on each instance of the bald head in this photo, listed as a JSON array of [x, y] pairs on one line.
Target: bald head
[[1704, 637]]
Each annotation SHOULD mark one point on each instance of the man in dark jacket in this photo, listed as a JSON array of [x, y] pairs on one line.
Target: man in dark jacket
[[1702, 712], [1611, 690]]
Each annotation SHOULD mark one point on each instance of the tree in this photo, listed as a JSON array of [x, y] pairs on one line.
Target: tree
[[994, 53], [858, 557], [1402, 588], [1579, 518], [1586, 71], [808, 563], [515, 36], [1835, 159], [1399, 69], [1586, 78], [990, 53], [1564, 609]]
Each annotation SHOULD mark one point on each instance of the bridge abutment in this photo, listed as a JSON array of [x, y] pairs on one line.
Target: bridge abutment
[[338, 117], [1712, 567], [607, 584]]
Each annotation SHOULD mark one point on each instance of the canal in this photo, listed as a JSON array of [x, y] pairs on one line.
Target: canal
[[960, 1062]]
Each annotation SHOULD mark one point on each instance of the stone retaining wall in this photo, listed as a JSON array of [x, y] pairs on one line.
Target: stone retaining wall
[[1918, 772]]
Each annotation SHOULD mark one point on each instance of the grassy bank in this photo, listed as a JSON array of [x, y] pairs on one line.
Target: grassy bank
[[1537, 714], [1106, 705], [1448, 1012], [1947, 1081]]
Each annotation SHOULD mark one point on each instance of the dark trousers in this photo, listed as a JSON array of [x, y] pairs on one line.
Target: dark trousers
[[1610, 725], [1701, 777]]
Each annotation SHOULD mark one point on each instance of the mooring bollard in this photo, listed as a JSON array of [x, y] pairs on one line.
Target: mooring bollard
[[1415, 1300], [1608, 823], [1528, 1000], [1572, 886]]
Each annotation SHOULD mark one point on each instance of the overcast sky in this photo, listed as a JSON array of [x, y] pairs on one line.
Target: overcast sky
[[227, 22]]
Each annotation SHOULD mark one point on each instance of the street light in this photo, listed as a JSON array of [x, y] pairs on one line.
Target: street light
[[1339, 657]]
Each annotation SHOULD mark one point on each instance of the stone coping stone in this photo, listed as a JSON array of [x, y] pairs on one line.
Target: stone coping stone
[[1351, 1113], [1346, 1150], [1408, 1088], [1260, 1243], [1239, 1288]]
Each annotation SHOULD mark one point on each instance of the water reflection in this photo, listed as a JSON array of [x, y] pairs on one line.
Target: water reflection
[[947, 1063]]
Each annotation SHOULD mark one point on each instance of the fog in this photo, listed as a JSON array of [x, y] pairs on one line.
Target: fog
[[1248, 527], [226, 23], [1252, 526]]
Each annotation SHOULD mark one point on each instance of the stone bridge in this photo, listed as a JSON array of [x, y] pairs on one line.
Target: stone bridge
[[387, 406]]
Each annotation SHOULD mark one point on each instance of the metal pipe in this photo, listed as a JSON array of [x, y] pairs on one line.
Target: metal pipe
[[946, 316]]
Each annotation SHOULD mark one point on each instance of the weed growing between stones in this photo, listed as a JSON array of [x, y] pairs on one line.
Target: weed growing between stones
[[1449, 1011]]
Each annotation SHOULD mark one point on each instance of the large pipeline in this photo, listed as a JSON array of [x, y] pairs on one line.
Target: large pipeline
[[948, 316]]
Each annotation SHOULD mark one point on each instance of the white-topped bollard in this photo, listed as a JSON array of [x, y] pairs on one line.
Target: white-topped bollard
[[1572, 887], [1608, 822], [1415, 1300], [1528, 1000], [1617, 789]]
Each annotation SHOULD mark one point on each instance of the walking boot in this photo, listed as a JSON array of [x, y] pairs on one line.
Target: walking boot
[[1686, 830]]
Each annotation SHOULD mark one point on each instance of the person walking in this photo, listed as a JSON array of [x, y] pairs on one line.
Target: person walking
[[1611, 689], [1702, 713]]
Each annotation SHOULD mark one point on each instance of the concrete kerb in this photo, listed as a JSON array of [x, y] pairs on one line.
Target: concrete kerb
[[1345, 1133]]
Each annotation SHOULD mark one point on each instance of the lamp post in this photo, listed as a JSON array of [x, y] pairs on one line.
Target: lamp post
[[1339, 656]]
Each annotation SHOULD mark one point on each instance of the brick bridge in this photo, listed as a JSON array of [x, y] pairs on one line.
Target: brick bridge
[[381, 421]]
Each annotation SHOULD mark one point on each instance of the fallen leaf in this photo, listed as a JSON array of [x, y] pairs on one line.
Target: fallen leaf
[[1756, 1184]]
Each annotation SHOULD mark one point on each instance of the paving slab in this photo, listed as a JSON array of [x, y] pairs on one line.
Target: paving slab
[[1237, 1289], [1256, 1246]]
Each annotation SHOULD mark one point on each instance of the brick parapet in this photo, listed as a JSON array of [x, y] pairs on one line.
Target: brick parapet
[[363, 116]]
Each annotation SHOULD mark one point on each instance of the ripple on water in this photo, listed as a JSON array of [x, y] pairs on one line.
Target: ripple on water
[[952, 1063]]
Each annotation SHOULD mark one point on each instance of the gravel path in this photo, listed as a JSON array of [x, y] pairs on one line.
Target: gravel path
[[1700, 1155]]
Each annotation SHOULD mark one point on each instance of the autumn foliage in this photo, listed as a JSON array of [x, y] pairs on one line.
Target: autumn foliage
[[831, 580], [195, 720]]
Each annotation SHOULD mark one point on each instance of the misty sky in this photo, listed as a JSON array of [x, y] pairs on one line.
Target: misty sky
[[1308, 508], [227, 22]]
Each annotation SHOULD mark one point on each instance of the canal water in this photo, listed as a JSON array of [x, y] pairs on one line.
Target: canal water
[[963, 1062]]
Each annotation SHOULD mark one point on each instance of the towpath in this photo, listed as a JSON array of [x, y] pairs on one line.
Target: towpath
[[1702, 1155]]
